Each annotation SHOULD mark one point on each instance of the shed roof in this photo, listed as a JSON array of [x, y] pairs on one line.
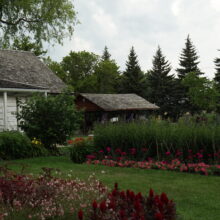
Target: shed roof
[[116, 102], [25, 70]]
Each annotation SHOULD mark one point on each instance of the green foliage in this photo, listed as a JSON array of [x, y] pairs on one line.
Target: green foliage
[[161, 85], [77, 66], [50, 119], [43, 20], [107, 75], [15, 145], [133, 79], [159, 136], [80, 148], [201, 92], [188, 60], [26, 44]]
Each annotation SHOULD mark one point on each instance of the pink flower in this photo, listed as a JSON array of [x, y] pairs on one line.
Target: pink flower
[[168, 153], [108, 149], [90, 157]]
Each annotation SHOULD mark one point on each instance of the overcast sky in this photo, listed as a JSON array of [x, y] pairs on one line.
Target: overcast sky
[[145, 24]]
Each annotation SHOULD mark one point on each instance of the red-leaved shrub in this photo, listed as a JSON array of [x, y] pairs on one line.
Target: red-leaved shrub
[[126, 205]]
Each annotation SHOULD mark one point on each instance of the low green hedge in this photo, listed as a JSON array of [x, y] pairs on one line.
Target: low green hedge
[[16, 145]]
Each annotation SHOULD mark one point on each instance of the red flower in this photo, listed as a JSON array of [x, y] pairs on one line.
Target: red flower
[[94, 205], [164, 198], [70, 141], [80, 214], [116, 186], [158, 216], [151, 193], [103, 206]]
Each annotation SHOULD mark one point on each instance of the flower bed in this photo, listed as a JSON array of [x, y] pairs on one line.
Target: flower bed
[[45, 197], [48, 197], [174, 165]]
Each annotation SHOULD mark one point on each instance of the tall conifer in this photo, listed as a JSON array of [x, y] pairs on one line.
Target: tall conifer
[[106, 55], [133, 78], [217, 73], [188, 60], [161, 84]]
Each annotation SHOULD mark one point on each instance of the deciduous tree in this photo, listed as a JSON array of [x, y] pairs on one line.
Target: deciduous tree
[[42, 20]]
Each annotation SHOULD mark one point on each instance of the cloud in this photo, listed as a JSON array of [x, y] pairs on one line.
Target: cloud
[[145, 24]]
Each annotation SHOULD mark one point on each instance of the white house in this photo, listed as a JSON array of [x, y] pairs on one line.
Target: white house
[[21, 75]]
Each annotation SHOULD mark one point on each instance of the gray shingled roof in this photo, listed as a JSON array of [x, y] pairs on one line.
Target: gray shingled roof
[[24, 68], [10, 84], [115, 102]]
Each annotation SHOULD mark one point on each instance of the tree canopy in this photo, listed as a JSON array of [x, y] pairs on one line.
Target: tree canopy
[[42, 20]]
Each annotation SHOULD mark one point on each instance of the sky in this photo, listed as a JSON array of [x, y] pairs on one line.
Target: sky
[[145, 24]]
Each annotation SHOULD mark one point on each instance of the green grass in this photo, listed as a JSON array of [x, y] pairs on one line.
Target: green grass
[[197, 197]]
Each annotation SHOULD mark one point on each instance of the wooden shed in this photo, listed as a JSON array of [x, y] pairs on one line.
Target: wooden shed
[[105, 107]]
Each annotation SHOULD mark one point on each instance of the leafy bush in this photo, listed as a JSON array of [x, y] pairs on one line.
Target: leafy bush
[[80, 149], [16, 145], [158, 137], [50, 119]]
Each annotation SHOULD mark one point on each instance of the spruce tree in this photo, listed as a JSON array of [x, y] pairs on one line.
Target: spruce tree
[[188, 60], [217, 73], [161, 84], [133, 78], [106, 55]]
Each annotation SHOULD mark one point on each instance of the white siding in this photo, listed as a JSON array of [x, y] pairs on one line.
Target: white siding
[[11, 113], [1, 113]]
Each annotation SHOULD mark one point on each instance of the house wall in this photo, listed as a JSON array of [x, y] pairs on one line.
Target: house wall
[[11, 113], [1, 113]]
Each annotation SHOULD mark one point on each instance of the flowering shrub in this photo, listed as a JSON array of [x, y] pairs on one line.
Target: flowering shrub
[[174, 165], [80, 148], [121, 205], [46, 196]]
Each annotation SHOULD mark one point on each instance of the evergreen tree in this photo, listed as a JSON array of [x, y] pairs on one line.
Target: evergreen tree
[[133, 79], [106, 55], [161, 84], [217, 73], [188, 60]]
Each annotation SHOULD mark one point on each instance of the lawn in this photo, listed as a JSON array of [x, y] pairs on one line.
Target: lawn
[[197, 197]]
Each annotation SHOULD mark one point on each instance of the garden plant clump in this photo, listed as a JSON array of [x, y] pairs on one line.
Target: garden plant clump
[[121, 205], [187, 139], [46, 196], [81, 147]]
